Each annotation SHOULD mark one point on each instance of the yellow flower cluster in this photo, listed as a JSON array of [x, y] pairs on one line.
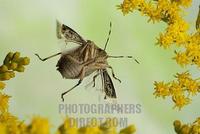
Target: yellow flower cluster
[[170, 12], [10, 124], [191, 53], [177, 32], [193, 128], [180, 90], [93, 128], [157, 10], [40, 125], [12, 62]]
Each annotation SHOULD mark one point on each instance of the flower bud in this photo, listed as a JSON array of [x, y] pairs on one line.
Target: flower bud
[[25, 61], [177, 125], [16, 56], [8, 58], [13, 66], [128, 130], [185, 129], [2, 85], [3, 68], [5, 76], [20, 68]]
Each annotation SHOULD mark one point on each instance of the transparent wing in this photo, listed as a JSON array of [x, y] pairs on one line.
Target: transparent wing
[[68, 34], [108, 86]]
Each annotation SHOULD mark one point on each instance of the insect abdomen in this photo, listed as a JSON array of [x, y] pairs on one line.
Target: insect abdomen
[[68, 68]]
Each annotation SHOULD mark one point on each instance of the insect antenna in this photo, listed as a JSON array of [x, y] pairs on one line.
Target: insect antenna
[[124, 57], [116, 56], [108, 36], [44, 59]]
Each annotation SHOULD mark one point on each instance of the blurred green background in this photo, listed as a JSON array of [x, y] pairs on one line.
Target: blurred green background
[[29, 26]]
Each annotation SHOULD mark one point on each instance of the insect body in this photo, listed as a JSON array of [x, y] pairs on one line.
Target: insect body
[[84, 60]]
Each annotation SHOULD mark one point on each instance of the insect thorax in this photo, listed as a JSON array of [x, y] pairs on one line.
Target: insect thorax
[[70, 65], [96, 51]]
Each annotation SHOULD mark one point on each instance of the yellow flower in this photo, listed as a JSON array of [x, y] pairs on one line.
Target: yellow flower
[[11, 123], [4, 102], [192, 86], [126, 7], [7, 118], [24, 61], [180, 101], [177, 32], [68, 127], [128, 130], [172, 12], [192, 50], [184, 85], [165, 40], [161, 89], [8, 58], [108, 127], [89, 130], [20, 68], [2, 85], [185, 129], [3, 68], [190, 128], [163, 6], [176, 89], [177, 125], [182, 76], [39, 126], [182, 59], [12, 62], [185, 3], [3, 128], [197, 120], [7, 75]]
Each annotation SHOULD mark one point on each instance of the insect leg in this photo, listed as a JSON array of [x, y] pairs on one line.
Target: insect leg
[[82, 75], [94, 78], [47, 57], [113, 74], [62, 95], [104, 66]]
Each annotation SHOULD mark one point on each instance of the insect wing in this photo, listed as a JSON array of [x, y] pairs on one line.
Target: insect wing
[[108, 86], [68, 34]]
